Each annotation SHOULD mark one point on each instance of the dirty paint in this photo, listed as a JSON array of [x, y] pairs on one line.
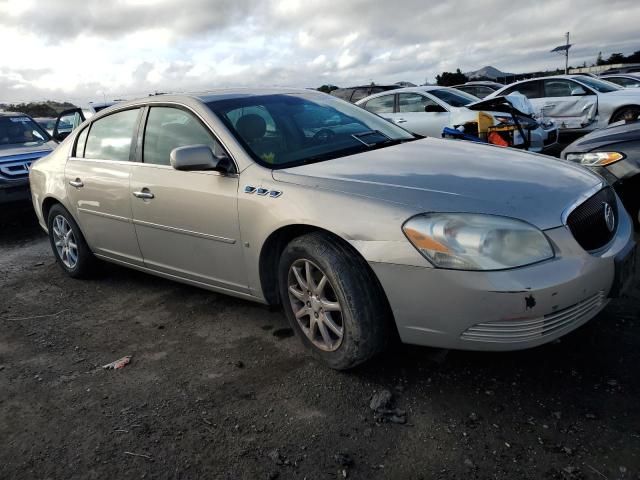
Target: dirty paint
[[529, 302]]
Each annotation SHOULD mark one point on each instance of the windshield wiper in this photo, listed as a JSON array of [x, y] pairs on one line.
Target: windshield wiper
[[360, 137]]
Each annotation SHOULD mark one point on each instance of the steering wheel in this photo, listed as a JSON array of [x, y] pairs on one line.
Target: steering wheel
[[323, 135]]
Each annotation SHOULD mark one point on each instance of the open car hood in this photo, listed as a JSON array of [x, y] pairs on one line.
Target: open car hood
[[496, 104]]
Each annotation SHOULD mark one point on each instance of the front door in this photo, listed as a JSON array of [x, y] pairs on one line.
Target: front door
[[97, 178], [568, 103], [186, 221], [421, 115]]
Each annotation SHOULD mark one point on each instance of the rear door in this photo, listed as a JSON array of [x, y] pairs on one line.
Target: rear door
[[67, 122], [186, 221], [420, 114], [97, 180]]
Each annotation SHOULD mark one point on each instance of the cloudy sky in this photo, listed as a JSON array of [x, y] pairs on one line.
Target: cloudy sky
[[83, 50]]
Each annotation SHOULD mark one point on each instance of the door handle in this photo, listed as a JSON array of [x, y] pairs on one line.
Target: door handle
[[144, 193], [549, 105], [77, 183], [401, 120]]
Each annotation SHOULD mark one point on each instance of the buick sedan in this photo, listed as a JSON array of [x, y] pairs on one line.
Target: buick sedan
[[361, 231]]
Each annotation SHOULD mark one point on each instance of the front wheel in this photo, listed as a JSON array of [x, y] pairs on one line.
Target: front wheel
[[626, 113], [68, 244], [332, 300]]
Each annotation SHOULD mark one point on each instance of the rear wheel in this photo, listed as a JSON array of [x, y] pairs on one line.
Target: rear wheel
[[332, 300], [631, 113], [68, 244]]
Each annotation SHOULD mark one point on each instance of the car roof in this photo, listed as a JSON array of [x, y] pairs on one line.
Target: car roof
[[624, 75], [204, 97], [14, 114], [481, 83]]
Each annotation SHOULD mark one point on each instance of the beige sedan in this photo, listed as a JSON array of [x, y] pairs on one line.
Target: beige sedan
[[362, 231]]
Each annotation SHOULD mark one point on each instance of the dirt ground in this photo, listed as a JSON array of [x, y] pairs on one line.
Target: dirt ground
[[218, 388]]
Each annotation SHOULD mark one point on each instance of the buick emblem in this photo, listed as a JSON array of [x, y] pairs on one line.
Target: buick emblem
[[609, 216]]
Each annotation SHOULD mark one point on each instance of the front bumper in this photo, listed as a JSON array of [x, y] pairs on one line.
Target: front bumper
[[503, 310], [14, 190]]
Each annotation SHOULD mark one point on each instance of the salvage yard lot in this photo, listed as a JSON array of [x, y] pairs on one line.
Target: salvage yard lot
[[217, 388]]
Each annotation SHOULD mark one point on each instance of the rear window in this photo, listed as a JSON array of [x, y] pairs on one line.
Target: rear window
[[110, 137]]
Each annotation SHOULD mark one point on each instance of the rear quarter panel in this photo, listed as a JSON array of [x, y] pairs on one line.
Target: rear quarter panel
[[47, 180]]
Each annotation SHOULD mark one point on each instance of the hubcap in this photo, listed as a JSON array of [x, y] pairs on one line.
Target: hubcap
[[315, 305], [65, 242]]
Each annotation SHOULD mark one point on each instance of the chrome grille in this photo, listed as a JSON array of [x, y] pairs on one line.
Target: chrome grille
[[532, 329], [587, 222]]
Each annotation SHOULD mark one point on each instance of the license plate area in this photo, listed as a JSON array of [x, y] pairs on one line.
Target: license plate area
[[625, 267]]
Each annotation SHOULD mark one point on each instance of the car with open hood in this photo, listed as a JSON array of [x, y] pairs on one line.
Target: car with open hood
[[360, 230], [428, 110]]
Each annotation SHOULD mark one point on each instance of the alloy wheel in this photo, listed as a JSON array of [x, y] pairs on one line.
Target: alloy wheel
[[315, 305], [65, 242]]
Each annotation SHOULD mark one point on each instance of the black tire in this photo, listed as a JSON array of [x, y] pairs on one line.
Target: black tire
[[623, 112], [365, 315], [86, 264]]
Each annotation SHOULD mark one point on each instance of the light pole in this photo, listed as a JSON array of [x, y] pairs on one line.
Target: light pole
[[564, 48]]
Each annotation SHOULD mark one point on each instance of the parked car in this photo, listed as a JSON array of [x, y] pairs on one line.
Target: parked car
[[72, 118], [479, 88], [577, 102], [614, 153], [353, 94], [358, 232], [629, 68], [625, 80], [427, 110], [22, 142], [47, 123]]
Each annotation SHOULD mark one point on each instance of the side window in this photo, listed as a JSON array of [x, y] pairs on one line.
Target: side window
[[558, 88], [80, 143], [359, 94], [168, 128], [110, 137], [415, 103], [528, 89], [383, 104], [482, 92]]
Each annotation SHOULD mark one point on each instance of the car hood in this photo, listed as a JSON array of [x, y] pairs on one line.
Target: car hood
[[453, 176], [605, 136], [32, 151]]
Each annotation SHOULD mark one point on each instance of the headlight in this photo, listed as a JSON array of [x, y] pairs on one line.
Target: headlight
[[463, 241], [595, 159]]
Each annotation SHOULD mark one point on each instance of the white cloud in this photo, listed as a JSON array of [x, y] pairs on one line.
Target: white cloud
[[72, 49]]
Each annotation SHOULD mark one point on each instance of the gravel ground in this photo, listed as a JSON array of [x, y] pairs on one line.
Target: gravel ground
[[218, 388]]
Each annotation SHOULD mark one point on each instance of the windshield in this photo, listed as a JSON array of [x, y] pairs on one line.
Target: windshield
[[455, 98], [597, 84], [285, 130], [21, 130]]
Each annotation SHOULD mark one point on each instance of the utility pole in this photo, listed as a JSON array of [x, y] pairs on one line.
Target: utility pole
[[566, 57], [564, 48]]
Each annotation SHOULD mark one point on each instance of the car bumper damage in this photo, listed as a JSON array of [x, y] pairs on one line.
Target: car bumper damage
[[511, 309]]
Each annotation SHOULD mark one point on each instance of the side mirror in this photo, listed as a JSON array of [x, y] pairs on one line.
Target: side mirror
[[577, 91], [433, 109], [194, 157]]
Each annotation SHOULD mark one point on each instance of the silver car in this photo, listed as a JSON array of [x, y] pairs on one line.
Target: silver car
[[360, 230], [578, 103]]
